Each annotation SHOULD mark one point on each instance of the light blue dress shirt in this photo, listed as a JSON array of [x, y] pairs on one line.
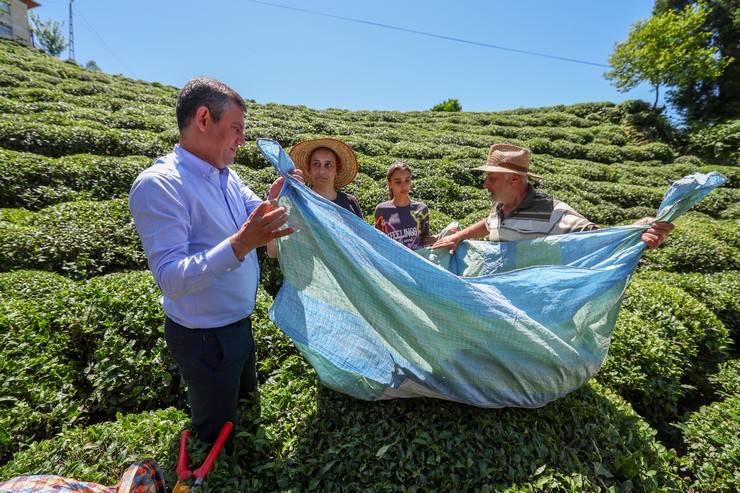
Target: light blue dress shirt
[[185, 211]]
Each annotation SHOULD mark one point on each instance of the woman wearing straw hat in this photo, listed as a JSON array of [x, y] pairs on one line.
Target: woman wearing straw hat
[[327, 165]]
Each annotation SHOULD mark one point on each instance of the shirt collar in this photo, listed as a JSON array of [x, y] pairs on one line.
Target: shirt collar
[[526, 202], [196, 165], [527, 198]]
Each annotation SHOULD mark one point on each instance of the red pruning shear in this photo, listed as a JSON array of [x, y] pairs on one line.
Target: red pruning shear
[[183, 472]]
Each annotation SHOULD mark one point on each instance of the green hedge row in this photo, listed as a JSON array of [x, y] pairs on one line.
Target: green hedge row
[[34, 98], [665, 346], [302, 437], [698, 244], [712, 446], [719, 143], [717, 291], [62, 138], [134, 117], [39, 362], [78, 352], [33, 181], [726, 382], [79, 239], [101, 453], [603, 153]]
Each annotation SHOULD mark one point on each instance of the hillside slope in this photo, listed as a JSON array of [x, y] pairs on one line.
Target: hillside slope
[[86, 384]]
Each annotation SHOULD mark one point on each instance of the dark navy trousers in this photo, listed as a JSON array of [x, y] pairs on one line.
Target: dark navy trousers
[[219, 368]]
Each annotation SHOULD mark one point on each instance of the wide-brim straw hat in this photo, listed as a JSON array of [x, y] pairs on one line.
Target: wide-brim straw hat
[[301, 154], [508, 158]]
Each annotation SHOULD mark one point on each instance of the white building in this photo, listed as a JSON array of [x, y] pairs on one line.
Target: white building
[[14, 20]]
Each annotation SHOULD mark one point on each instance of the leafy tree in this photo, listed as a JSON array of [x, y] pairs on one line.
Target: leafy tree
[[92, 66], [451, 104], [712, 99], [49, 34], [671, 49]]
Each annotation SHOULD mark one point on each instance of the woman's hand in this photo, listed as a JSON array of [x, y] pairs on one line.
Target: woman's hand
[[277, 185]]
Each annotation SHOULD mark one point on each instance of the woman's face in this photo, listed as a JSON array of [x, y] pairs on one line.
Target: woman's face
[[323, 167], [400, 183]]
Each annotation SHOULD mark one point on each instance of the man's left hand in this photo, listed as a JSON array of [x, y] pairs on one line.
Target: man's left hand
[[655, 236], [277, 185]]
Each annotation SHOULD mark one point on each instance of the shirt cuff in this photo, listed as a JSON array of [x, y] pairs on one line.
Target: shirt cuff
[[221, 258]]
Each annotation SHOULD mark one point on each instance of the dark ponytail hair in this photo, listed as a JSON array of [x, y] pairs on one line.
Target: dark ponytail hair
[[398, 165]]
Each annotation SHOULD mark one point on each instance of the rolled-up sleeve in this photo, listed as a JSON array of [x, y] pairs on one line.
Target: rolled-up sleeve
[[163, 223]]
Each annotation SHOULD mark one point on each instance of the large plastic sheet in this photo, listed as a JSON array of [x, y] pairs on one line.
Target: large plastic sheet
[[497, 324]]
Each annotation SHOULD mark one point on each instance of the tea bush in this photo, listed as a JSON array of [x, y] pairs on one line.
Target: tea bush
[[101, 453], [726, 382], [39, 363], [712, 446], [79, 239], [33, 181], [699, 244], [717, 291], [309, 438]]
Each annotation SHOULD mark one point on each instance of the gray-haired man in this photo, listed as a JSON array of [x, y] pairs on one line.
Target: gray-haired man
[[520, 212]]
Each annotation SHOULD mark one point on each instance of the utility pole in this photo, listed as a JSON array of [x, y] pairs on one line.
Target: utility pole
[[71, 34]]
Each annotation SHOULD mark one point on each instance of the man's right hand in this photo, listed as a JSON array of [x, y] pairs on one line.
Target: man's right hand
[[450, 242], [262, 226]]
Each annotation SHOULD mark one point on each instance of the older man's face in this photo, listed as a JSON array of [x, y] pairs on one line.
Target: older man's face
[[498, 186]]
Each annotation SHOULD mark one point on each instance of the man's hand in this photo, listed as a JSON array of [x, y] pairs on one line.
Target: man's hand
[[655, 236], [450, 241], [262, 226], [277, 185]]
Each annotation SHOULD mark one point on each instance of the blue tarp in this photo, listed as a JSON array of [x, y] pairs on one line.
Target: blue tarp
[[497, 324]]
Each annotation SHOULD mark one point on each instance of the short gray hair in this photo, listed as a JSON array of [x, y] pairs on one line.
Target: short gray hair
[[208, 92]]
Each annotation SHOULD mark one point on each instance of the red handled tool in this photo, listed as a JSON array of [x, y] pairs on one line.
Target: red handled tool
[[183, 472]]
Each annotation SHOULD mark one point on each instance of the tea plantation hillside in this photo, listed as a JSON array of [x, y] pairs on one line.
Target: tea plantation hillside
[[87, 386]]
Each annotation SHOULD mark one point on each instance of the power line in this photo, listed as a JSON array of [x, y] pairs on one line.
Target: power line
[[431, 35], [131, 72]]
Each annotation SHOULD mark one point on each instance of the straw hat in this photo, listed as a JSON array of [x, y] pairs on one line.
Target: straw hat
[[301, 153], [507, 158]]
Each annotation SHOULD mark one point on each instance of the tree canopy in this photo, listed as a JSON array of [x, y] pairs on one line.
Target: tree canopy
[[451, 104], [707, 100], [670, 48], [49, 34]]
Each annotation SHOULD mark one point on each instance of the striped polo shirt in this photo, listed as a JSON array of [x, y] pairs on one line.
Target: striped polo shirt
[[538, 215]]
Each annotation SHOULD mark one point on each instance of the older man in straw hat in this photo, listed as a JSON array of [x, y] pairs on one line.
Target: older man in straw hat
[[520, 212]]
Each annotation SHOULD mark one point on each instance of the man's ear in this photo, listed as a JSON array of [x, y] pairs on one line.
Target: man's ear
[[202, 118]]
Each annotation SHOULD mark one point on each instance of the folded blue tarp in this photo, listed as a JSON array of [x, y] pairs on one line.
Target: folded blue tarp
[[496, 324]]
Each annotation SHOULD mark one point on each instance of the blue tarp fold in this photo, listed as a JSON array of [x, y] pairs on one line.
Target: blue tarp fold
[[496, 324]]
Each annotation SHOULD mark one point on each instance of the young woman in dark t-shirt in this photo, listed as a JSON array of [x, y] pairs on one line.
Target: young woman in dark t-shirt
[[403, 219]]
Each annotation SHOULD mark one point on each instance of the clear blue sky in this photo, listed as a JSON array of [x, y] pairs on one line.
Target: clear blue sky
[[276, 55]]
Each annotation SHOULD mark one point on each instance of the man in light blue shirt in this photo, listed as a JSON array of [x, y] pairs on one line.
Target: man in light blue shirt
[[200, 227]]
